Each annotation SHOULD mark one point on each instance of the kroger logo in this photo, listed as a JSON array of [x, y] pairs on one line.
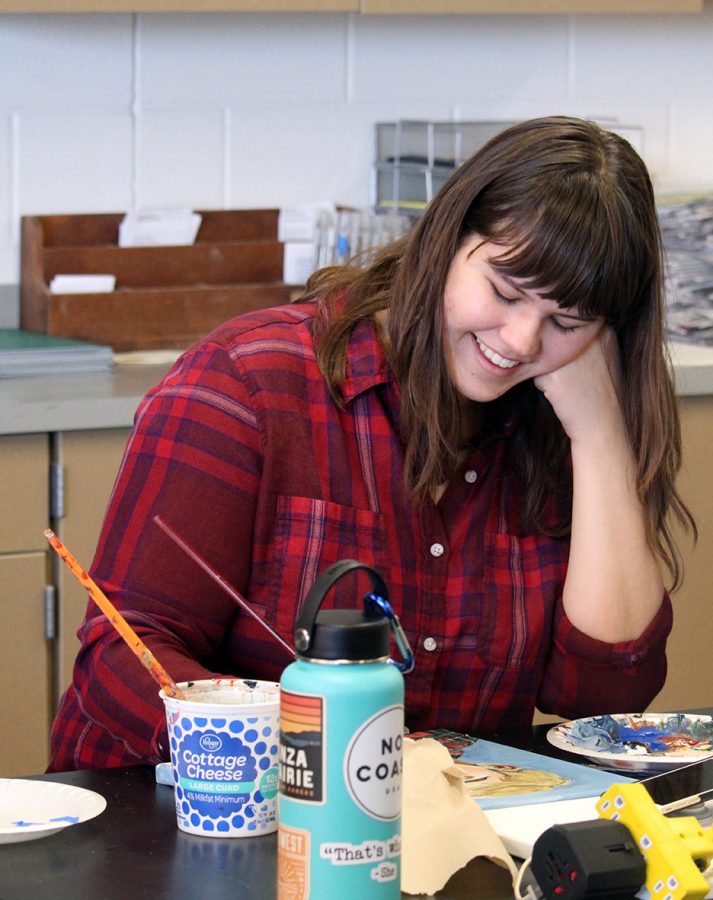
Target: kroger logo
[[210, 742]]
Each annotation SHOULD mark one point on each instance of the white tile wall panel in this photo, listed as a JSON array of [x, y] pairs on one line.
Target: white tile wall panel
[[301, 94], [291, 154], [10, 275], [65, 61], [223, 59], [77, 162], [482, 57], [692, 147], [8, 233], [310, 152], [180, 159], [645, 57]]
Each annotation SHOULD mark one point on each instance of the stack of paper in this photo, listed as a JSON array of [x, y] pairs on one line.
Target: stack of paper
[[30, 353], [82, 284], [159, 227], [297, 227], [687, 233]]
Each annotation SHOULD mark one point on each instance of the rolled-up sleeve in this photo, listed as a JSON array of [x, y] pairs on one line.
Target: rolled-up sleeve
[[585, 676]]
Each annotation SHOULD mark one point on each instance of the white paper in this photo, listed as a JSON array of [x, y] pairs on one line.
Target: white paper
[[298, 262], [518, 827], [82, 284], [159, 228], [298, 223]]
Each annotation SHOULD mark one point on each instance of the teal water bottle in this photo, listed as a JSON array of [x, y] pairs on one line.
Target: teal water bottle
[[341, 733]]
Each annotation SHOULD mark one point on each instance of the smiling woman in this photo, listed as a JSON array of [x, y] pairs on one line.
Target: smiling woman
[[498, 331], [482, 412]]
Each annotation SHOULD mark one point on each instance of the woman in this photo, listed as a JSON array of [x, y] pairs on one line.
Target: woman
[[483, 413]]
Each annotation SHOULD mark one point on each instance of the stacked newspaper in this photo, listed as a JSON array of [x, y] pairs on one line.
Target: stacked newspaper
[[31, 353], [687, 232]]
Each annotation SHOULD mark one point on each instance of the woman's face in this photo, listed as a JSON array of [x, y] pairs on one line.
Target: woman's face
[[500, 333]]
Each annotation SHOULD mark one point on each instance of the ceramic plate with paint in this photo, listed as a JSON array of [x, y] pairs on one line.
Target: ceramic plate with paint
[[35, 809], [637, 742]]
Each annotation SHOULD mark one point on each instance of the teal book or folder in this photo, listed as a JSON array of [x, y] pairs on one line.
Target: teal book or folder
[[32, 353]]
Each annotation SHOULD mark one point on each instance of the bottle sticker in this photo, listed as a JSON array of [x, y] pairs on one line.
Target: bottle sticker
[[387, 871], [224, 772], [373, 764], [302, 747], [369, 852], [292, 862]]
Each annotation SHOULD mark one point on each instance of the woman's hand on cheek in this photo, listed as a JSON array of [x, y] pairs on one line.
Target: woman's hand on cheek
[[584, 393]]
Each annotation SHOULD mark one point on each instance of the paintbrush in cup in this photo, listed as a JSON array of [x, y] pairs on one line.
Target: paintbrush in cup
[[146, 657], [227, 587]]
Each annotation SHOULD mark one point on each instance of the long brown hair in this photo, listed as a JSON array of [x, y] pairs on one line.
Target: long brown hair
[[575, 206]]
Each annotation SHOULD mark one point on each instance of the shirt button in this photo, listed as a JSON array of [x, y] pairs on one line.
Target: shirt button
[[437, 550], [430, 644], [471, 476]]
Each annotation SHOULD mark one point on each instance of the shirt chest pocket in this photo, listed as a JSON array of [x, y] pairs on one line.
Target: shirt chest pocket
[[311, 535]]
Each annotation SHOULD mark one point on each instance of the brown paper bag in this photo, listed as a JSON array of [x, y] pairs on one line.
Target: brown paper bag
[[443, 828]]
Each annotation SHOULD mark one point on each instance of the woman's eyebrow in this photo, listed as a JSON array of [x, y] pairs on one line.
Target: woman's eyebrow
[[569, 315], [508, 279], [564, 314]]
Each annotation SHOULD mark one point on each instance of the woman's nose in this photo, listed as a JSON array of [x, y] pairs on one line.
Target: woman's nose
[[522, 334]]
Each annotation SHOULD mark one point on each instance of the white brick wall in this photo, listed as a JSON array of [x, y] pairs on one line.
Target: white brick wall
[[103, 112]]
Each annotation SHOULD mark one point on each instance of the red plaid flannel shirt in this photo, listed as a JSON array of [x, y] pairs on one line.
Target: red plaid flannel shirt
[[242, 451]]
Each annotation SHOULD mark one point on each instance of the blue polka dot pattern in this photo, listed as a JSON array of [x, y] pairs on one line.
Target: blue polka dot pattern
[[224, 772]]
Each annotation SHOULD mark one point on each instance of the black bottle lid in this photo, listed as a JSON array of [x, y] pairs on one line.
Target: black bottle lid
[[346, 635], [349, 635]]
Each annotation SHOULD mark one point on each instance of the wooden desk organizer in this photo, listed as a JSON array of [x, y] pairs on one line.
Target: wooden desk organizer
[[165, 297]]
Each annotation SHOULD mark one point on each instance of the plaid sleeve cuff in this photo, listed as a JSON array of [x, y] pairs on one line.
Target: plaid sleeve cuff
[[570, 641]]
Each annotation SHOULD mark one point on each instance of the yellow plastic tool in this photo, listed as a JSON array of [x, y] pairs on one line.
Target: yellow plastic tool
[[670, 846]]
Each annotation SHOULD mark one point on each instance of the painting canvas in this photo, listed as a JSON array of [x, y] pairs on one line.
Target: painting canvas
[[499, 776]]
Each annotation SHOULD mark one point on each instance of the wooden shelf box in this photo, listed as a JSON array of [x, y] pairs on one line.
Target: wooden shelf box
[[165, 297]]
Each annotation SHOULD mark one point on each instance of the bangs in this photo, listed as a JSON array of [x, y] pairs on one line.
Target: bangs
[[575, 251]]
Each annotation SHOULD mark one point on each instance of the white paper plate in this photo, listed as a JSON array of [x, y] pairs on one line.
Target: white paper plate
[[638, 742], [35, 809]]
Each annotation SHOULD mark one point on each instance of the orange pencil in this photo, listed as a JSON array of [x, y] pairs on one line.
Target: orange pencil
[[148, 660]]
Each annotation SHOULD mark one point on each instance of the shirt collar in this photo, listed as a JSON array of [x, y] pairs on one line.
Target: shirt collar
[[366, 365]]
